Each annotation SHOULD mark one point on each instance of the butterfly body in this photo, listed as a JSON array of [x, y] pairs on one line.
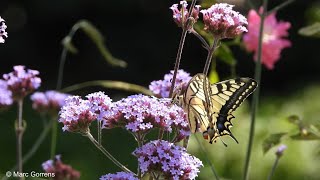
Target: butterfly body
[[210, 106]]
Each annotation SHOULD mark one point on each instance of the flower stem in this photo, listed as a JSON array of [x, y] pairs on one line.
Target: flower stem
[[181, 45], [53, 138], [63, 58], [106, 153], [19, 134], [209, 57], [99, 132], [273, 168], [204, 42], [255, 101], [280, 6], [207, 159]]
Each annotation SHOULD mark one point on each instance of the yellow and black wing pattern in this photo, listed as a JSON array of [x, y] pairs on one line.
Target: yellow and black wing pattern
[[210, 106], [226, 97]]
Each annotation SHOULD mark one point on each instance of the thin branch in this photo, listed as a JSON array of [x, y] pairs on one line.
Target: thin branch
[[280, 6]]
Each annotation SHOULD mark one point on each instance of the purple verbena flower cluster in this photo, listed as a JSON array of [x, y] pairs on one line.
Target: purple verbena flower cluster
[[61, 171], [99, 103], [48, 102], [161, 88], [173, 162], [77, 113], [119, 176], [5, 95], [223, 22], [140, 113], [180, 17], [22, 81], [3, 33]]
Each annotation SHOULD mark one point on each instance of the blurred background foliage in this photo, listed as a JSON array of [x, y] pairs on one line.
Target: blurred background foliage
[[143, 34]]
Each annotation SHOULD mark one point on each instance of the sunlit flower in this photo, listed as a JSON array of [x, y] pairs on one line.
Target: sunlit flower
[[168, 160], [48, 102], [3, 33], [5, 95], [76, 115], [161, 88], [280, 150], [60, 170], [272, 40], [140, 114], [223, 22], [22, 81], [119, 176], [99, 102], [180, 16]]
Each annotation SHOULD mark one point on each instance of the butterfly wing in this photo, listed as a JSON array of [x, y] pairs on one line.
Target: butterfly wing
[[226, 97], [195, 103]]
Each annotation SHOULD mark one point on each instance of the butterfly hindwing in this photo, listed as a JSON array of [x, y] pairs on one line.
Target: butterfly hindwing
[[229, 95]]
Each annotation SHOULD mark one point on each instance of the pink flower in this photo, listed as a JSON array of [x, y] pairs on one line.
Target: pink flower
[[272, 42], [60, 171], [180, 16], [223, 22], [22, 81]]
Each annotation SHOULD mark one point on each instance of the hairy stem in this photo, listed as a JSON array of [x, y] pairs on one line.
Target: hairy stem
[[273, 168], [255, 101], [106, 153]]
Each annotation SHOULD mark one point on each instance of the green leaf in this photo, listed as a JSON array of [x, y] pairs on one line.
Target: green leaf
[[295, 119], [311, 30], [225, 54], [94, 34], [213, 76], [272, 141], [119, 85], [207, 3], [306, 135]]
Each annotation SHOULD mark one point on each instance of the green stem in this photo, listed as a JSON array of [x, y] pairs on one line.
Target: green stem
[[181, 45], [54, 137], [280, 6], [36, 145], [63, 58], [207, 159], [203, 41], [19, 134], [273, 168], [255, 100], [106, 153], [99, 132]]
